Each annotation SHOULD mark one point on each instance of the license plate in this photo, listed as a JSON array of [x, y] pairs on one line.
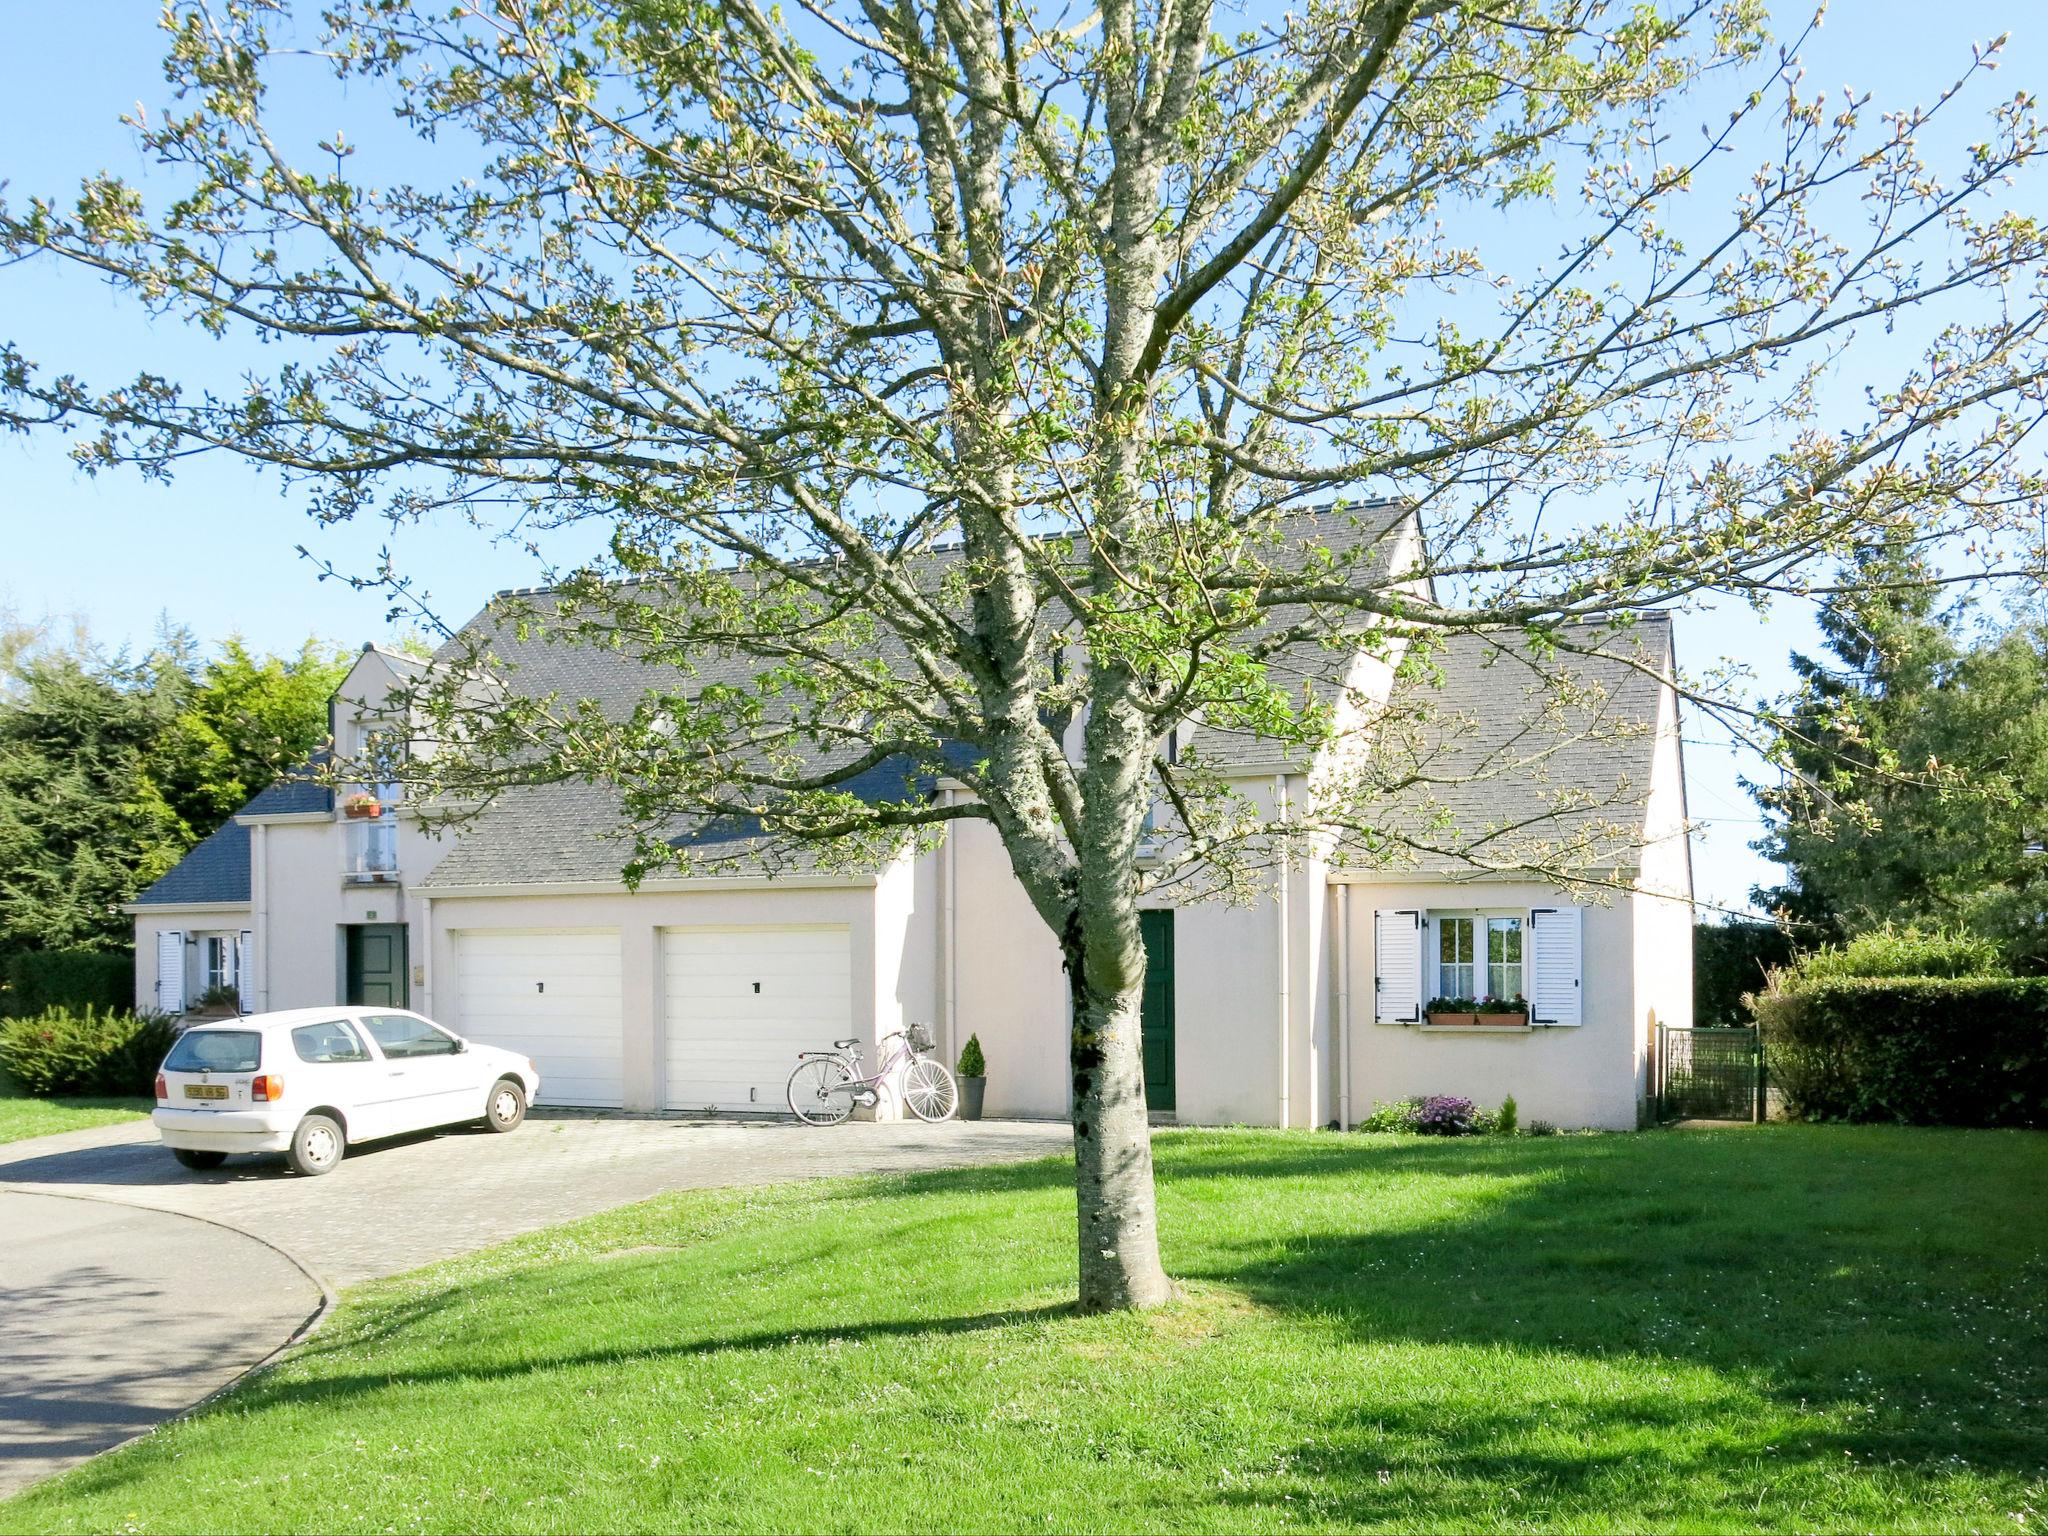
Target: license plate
[[206, 1090]]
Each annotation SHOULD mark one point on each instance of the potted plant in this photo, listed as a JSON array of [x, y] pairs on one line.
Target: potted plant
[[1449, 1012], [1502, 1012], [972, 1074], [221, 1002], [362, 806]]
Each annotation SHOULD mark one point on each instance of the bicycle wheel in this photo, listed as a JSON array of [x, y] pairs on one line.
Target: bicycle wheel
[[929, 1091], [817, 1091]]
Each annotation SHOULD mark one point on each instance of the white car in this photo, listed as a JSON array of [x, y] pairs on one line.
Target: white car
[[309, 1082]]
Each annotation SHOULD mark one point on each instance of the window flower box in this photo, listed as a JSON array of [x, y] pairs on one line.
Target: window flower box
[[1476, 1013], [362, 807]]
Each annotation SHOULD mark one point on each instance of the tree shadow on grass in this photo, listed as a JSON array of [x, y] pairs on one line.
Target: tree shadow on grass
[[1774, 1275]]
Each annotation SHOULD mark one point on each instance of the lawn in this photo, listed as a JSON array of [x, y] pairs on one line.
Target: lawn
[[1787, 1329], [23, 1115]]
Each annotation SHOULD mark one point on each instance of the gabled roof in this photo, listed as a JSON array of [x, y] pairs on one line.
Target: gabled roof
[[217, 870], [1500, 758], [296, 794], [574, 832]]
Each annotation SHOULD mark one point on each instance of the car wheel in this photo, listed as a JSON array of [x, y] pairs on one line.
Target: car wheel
[[317, 1146], [199, 1160], [506, 1108]]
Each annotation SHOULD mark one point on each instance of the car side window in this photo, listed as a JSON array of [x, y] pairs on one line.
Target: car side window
[[399, 1035], [330, 1040]]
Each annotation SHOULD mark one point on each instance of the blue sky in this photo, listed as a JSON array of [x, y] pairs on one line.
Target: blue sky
[[217, 548]]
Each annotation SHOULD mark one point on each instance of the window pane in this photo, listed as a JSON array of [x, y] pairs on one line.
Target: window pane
[[327, 1041], [216, 1050], [398, 1035]]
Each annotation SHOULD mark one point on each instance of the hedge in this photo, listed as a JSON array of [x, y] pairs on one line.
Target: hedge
[[1729, 961], [1967, 1050], [38, 980], [86, 1051]]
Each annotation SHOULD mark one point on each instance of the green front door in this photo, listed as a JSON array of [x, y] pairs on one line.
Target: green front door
[[376, 965], [1157, 1016]]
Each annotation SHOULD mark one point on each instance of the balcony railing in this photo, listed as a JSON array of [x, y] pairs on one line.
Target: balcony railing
[[372, 856]]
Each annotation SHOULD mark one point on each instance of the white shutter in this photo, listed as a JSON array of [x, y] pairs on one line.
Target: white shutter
[[1397, 966], [1555, 954], [244, 982], [170, 972]]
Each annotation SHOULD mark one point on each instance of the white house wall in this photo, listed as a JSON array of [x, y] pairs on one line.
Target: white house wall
[[1572, 1076], [193, 922], [1011, 990], [1663, 902], [302, 904], [1012, 993]]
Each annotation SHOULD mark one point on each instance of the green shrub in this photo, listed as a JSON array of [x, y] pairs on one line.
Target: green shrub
[[1729, 961], [69, 978], [971, 1063], [63, 1050], [1541, 1128], [1508, 1120], [1920, 1050], [1890, 951], [1389, 1117]]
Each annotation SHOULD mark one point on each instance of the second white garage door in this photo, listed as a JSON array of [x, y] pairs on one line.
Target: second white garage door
[[739, 1003], [552, 995]]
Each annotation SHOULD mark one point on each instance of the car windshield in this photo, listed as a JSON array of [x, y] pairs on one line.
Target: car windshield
[[216, 1050]]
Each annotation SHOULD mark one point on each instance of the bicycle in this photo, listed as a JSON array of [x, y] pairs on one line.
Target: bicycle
[[827, 1084]]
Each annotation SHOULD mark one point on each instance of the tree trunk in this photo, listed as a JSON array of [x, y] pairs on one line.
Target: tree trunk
[[1119, 1218]]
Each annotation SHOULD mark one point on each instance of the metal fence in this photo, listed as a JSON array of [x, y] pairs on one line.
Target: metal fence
[[1709, 1074]]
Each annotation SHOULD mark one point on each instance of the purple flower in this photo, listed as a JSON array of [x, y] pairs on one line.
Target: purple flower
[[1444, 1115]]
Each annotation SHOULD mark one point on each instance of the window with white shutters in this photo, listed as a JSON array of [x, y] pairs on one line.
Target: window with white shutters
[[170, 972], [1397, 966], [1555, 993]]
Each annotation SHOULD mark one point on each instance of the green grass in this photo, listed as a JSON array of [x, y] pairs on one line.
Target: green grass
[[1787, 1329], [23, 1115]]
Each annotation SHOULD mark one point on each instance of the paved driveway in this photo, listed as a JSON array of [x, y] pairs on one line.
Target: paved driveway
[[118, 1308]]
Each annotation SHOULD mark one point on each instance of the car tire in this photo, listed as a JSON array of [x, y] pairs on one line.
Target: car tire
[[198, 1160], [505, 1109], [317, 1146]]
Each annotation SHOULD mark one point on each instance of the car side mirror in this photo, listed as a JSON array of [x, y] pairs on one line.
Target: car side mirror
[[461, 1046]]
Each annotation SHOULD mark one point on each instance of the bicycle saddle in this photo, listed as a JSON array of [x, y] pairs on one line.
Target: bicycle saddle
[[841, 1045]]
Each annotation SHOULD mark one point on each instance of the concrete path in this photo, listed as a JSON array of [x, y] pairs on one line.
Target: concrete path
[[120, 1309], [113, 1318]]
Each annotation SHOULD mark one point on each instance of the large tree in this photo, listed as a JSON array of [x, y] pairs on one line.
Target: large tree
[[779, 301], [1914, 766], [112, 767]]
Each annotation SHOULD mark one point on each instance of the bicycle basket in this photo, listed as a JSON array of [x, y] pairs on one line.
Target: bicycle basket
[[919, 1037]]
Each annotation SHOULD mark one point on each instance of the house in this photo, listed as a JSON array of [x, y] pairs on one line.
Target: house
[[1302, 1009]]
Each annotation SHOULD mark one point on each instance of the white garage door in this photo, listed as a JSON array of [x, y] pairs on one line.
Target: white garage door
[[739, 1003], [552, 995]]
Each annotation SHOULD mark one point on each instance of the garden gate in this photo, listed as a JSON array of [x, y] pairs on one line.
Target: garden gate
[[1709, 1074]]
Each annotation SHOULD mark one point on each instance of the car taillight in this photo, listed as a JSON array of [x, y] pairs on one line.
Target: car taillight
[[162, 1091], [267, 1089]]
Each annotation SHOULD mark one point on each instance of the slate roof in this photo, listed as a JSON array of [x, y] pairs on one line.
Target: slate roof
[[1505, 760], [1492, 759], [295, 794], [216, 870]]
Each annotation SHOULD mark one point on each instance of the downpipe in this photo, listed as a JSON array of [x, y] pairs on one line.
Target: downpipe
[[1280, 803]]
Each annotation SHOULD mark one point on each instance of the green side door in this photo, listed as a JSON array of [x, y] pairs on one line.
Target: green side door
[[1157, 1015], [376, 965]]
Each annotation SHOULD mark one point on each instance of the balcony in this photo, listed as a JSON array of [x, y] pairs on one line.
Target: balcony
[[371, 856]]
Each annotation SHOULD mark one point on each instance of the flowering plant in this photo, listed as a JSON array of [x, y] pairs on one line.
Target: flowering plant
[[1444, 1115]]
